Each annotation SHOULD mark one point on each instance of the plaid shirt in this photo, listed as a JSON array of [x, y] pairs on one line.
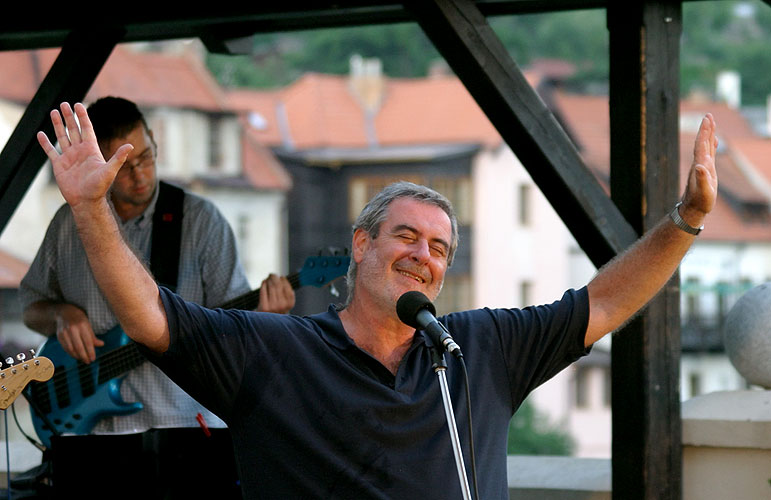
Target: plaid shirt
[[209, 274]]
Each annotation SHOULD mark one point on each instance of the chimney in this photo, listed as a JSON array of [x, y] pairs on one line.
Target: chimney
[[366, 82], [729, 88]]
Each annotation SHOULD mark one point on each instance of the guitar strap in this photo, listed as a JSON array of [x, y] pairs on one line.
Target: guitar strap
[[167, 235]]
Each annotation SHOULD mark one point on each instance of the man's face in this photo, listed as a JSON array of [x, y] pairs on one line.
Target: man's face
[[135, 183], [409, 253]]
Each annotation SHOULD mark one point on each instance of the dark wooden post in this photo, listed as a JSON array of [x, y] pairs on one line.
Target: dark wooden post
[[82, 56], [644, 111]]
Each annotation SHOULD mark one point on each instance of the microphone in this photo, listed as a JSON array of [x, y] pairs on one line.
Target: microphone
[[414, 309]]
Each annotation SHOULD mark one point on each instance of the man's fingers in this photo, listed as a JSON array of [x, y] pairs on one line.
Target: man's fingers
[[90, 352], [72, 125], [73, 345], [119, 158], [60, 130], [49, 148], [86, 129]]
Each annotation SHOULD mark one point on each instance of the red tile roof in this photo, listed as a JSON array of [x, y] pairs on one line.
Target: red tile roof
[[158, 79], [322, 111], [261, 167], [22, 72], [147, 78], [150, 79], [588, 120]]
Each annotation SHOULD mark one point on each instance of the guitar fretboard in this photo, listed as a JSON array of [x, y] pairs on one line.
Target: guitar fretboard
[[249, 301]]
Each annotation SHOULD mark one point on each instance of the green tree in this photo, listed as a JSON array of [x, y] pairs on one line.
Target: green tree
[[717, 36], [530, 433]]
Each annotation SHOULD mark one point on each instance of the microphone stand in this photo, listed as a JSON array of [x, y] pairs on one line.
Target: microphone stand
[[440, 367]]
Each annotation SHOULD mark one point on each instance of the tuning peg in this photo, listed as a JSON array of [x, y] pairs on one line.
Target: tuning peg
[[9, 360], [333, 290], [21, 356]]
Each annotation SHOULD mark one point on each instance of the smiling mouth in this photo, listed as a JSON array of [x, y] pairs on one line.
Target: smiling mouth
[[413, 276]]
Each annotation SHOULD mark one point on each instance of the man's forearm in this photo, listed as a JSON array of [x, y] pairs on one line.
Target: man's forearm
[[628, 282], [128, 286], [40, 316]]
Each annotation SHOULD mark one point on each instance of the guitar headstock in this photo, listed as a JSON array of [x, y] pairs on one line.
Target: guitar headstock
[[17, 371], [320, 270]]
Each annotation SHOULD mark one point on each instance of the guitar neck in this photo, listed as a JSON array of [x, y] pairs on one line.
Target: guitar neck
[[119, 361], [127, 357], [250, 300]]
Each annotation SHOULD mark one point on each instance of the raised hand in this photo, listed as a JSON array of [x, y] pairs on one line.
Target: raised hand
[[701, 189], [81, 172]]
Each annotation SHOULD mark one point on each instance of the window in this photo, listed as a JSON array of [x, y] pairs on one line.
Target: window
[[723, 300], [242, 230], [694, 383], [524, 214], [215, 150], [458, 191], [692, 306], [158, 126], [525, 293], [455, 296], [362, 189], [582, 387]]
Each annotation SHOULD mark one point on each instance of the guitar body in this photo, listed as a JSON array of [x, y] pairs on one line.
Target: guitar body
[[79, 395]]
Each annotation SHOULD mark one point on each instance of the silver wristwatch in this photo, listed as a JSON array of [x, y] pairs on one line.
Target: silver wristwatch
[[679, 222]]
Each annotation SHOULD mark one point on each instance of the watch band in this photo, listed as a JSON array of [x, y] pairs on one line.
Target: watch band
[[679, 222]]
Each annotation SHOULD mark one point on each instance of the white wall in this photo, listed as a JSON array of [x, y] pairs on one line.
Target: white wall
[[506, 252], [25, 230], [543, 253], [714, 372], [258, 220]]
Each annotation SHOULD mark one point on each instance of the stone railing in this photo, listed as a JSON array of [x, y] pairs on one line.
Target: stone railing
[[726, 435], [727, 446]]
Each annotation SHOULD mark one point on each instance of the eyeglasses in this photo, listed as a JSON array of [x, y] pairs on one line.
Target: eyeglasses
[[141, 162]]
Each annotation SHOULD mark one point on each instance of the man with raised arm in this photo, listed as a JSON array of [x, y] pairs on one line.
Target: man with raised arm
[[344, 404], [61, 297]]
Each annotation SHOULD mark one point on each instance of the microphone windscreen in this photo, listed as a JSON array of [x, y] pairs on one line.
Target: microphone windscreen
[[410, 304]]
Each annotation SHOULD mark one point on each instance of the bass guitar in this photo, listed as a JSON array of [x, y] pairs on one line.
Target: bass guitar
[[80, 394]]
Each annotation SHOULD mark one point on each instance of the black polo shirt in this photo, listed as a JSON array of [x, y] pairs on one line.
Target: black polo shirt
[[313, 416]]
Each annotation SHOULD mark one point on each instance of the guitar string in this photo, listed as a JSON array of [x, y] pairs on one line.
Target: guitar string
[[62, 379]]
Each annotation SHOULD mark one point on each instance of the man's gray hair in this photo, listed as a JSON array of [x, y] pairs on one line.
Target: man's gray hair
[[376, 211]]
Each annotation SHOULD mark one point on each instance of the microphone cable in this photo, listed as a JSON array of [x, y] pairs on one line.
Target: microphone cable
[[470, 429]]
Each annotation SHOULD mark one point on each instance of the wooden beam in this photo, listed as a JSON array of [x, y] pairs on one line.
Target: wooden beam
[[644, 110], [462, 35], [75, 69], [38, 29]]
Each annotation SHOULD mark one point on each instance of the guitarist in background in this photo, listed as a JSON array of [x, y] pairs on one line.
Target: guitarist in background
[[60, 296]]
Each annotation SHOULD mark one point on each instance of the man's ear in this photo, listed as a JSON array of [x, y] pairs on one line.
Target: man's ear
[[360, 244]]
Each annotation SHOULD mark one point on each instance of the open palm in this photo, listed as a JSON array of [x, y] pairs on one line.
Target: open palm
[[701, 189], [81, 172]]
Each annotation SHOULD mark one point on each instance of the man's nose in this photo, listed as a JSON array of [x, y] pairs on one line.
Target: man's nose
[[139, 173], [421, 252]]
